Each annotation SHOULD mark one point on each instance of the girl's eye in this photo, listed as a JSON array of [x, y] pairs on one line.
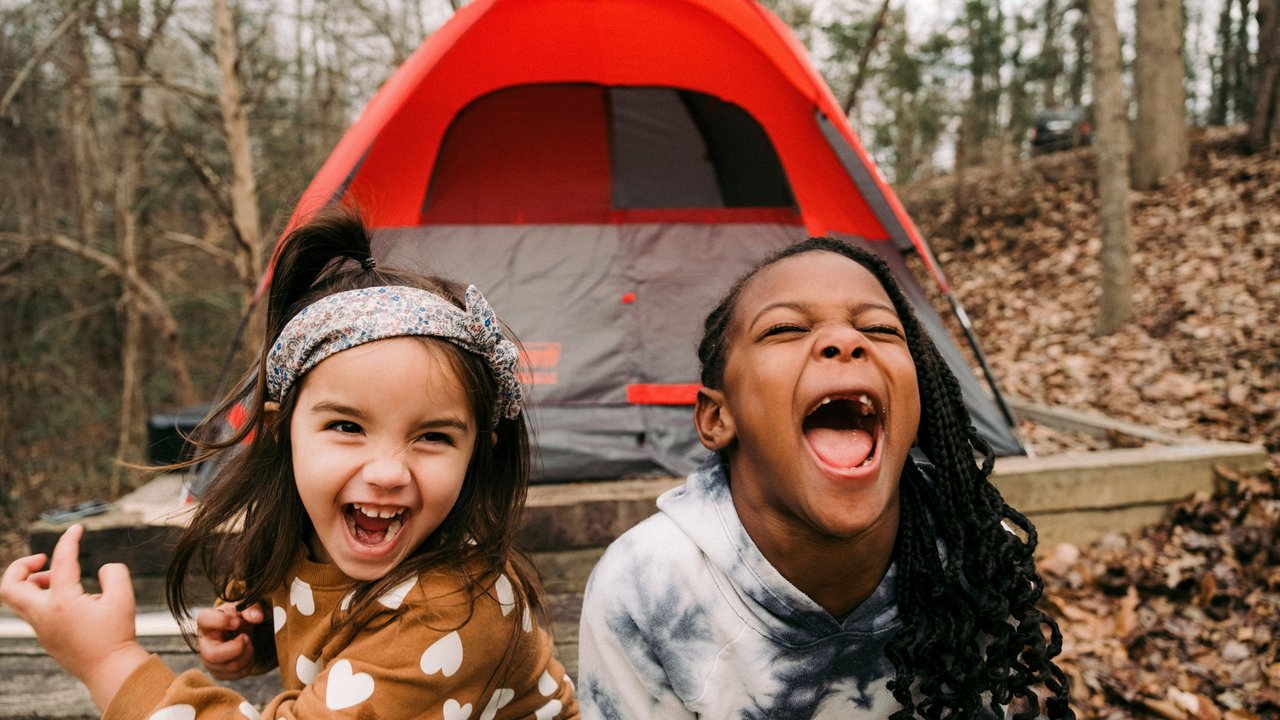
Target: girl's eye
[[883, 330], [344, 426], [437, 437], [783, 329]]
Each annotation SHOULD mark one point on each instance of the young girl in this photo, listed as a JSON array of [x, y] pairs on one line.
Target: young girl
[[812, 567], [377, 498]]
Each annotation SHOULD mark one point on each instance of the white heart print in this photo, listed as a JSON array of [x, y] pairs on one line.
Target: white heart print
[[300, 597], [278, 616], [346, 688], [395, 596], [345, 604], [444, 656], [548, 711], [306, 669], [454, 711], [175, 712], [547, 684], [249, 711], [526, 623], [506, 595], [500, 698]]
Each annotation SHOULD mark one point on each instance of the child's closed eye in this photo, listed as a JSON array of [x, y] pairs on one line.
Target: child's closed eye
[[437, 438], [882, 330], [783, 329]]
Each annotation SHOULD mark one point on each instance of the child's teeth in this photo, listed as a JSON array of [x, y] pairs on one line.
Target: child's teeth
[[825, 400], [373, 512]]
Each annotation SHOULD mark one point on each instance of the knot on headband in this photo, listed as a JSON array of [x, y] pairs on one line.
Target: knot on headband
[[344, 320]]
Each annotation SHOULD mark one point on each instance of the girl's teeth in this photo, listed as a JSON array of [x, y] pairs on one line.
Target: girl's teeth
[[825, 400], [373, 512]]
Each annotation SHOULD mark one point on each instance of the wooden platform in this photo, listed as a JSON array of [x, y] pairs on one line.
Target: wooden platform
[[1071, 498]]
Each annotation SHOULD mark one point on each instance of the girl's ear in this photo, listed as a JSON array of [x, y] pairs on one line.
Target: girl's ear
[[270, 411], [713, 420]]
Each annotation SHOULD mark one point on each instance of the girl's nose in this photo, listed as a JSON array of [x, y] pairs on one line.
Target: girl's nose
[[387, 472], [841, 344]]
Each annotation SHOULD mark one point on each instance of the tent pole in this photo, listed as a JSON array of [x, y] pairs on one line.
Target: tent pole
[[969, 335]]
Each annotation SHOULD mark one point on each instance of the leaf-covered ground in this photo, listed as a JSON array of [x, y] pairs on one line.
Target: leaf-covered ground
[[1181, 620]]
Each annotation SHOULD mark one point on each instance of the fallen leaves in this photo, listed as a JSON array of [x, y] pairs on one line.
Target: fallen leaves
[[1182, 620]]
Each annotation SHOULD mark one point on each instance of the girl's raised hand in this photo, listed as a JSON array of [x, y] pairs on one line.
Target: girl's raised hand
[[92, 636], [223, 641]]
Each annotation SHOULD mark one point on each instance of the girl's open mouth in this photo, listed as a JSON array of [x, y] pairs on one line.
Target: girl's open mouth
[[844, 431], [373, 526]]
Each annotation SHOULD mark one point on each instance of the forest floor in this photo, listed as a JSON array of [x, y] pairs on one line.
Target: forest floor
[[1180, 620]]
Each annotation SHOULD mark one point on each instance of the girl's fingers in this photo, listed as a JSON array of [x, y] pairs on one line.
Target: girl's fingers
[[16, 589], [253, 614], [116, 583], [222, 654], [64, 569]]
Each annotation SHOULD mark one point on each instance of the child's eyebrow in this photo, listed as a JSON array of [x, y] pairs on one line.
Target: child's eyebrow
[[801, 307], [448, 421]]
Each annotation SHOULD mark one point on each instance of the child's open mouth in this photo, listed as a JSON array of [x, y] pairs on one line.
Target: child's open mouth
[[842, 431], [371, 525]]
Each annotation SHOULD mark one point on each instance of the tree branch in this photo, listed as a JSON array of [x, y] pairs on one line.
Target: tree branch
[[196, 243], [21, 78], [864, 58]]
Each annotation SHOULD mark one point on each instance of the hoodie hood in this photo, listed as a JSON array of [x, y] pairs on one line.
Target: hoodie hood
[[703, 509]]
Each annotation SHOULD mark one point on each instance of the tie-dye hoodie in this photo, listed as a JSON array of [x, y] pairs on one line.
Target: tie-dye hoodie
[[684, 617]]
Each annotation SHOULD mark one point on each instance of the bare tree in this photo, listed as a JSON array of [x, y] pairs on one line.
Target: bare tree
[[1160, 133], [1264, 125], [1116, 305]]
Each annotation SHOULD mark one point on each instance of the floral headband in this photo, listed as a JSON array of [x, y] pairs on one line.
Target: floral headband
[[344, 320]]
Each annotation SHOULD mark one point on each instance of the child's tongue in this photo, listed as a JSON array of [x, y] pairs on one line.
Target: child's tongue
[[840, 447], [370, 530]]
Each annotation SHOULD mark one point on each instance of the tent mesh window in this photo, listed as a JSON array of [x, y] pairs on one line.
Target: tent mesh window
[[577, 153]]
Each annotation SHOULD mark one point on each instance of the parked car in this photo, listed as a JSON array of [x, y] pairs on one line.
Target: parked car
[[1061, 129]]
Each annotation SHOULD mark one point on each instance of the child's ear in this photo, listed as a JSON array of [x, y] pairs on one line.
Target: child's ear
[[713, 420], [270, 412]]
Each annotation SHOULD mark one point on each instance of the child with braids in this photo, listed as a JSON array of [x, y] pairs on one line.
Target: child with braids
[[813, 566], [378, 494]]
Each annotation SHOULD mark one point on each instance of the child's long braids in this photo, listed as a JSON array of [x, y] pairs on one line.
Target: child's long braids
[[972, 636], [255, 487]]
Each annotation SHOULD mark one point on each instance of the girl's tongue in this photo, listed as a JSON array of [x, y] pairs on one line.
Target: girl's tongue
[[839, 435], [369, 530]]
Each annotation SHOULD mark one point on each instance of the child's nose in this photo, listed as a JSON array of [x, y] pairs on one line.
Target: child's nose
[[841, 344], [387, 472]]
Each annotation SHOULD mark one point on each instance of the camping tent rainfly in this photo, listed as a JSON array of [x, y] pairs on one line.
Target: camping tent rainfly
[[603, 170]]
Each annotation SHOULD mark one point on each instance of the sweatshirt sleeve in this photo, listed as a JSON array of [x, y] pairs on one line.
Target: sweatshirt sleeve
[[619, 675], [154, 692]]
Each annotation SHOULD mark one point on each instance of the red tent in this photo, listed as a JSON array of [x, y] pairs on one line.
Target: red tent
[[603, 170]]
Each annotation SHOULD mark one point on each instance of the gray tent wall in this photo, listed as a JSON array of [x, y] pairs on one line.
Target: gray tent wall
[[605, 306]]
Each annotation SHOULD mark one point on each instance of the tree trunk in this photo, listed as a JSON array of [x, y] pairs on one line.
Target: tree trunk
[[82, 129], [864, 58], [1050, 55], [130, 160], [1116, 305], [1266, 108], [246, 219], [1160, 133]]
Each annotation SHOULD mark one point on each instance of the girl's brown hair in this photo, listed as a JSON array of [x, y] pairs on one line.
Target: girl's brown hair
[[254, 486]]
